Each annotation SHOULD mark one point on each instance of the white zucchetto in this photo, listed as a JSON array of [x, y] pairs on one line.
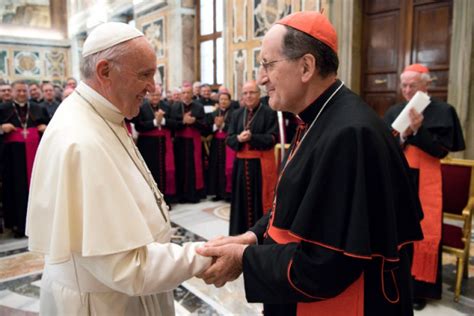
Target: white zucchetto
[[107, 35]]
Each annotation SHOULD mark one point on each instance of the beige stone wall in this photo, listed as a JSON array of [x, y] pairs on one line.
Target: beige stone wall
[[41, 62], [247, 22]]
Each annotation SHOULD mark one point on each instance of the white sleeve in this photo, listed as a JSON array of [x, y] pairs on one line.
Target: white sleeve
[[154, 268]]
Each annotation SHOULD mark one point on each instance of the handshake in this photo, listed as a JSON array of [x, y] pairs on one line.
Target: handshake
[[227, 255]]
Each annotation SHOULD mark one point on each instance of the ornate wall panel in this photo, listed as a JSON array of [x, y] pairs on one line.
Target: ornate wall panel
[[55, 64], [155, 33], [3, 63], [239, 21], [240, 71], [27, 63]]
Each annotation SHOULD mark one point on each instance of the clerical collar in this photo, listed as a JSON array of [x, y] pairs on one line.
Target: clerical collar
[[308, 114], [101, 104], [20, 104], [254, 109]]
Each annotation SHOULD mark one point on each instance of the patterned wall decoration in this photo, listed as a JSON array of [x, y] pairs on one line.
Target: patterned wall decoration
[[27, 63], [240, 71], [310, 4], [3, 63], [160, 76], [155, 33], [256, 62], [55, 64], [267, 12], [239, 21]]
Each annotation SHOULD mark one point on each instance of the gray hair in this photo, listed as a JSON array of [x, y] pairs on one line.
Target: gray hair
[[296, 44], [426, 77], [112, 55]]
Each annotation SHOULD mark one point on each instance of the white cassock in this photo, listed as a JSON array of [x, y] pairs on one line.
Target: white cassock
[[94, 217]]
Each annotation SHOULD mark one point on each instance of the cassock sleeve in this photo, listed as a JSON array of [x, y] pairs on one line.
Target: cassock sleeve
[[200, 116], [297, 273], [266, 138], [429, 142], [233, 132], [260, 227], [144, 122], [153, 268]]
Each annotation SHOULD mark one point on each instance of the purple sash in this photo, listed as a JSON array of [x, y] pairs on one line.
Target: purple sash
[[31, 145], [169, 158], [229, 161], [193, 134]]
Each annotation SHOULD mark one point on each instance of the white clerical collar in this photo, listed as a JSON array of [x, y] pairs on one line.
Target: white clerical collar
[[105, 108], [83, 87]]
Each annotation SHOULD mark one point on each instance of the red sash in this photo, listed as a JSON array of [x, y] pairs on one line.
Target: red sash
[[349, 302], [425, 252], [229, 161], [269, 172], [194, 134], [31, 145], [169, 157]]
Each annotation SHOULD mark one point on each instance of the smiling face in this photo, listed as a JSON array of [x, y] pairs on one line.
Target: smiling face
[[20, 92], [280, 75], [131, 77], [250, 94]]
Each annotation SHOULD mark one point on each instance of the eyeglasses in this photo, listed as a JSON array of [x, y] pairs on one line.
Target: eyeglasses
[[249, 92], [267, 64]]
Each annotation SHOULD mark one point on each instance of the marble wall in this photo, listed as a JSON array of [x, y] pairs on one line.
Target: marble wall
[[41, 62], [170, 28], [248, 21]]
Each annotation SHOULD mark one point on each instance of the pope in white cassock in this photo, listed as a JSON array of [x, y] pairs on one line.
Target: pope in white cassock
[[94, 210]]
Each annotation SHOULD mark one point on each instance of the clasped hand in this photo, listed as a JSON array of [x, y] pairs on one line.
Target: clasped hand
[[227, 255]]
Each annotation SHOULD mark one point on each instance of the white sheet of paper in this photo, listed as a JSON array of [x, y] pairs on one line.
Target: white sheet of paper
[[209, 109], [419, 101]]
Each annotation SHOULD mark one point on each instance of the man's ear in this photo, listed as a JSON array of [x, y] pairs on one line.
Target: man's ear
[[103, 68], [309, 67]]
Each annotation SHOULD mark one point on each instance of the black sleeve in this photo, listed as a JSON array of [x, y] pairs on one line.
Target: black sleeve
[[267, 138], [428, 141], [297, 272], [143, 122], [175, 119], [233, 132], [200, 122], [260, 227]]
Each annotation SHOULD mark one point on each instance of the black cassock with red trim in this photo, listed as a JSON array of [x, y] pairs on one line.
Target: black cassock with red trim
[[345, 215]]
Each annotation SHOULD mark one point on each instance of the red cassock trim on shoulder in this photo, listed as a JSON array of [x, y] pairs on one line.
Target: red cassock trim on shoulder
[[284, 236]]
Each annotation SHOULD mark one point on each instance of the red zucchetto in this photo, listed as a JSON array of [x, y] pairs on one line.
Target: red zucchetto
[[314, 24], [417, 68]]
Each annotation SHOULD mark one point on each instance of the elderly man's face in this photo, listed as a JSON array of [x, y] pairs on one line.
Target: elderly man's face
[[132, 79], [250, 95], [410, 83], [278, 74], [20, 93]]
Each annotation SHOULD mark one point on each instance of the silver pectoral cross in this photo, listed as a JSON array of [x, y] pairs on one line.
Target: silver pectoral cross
[[25, 133]]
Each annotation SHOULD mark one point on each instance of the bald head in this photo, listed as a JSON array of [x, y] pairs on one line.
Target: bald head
[[250, 94]]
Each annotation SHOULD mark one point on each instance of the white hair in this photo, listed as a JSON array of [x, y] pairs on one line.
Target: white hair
[[112, 54]]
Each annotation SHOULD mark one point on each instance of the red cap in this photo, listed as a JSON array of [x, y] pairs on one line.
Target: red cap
[[314, 24], [417, 68]]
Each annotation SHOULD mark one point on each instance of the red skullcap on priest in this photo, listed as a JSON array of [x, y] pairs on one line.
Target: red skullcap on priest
[[314, 24], [417, 68]]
